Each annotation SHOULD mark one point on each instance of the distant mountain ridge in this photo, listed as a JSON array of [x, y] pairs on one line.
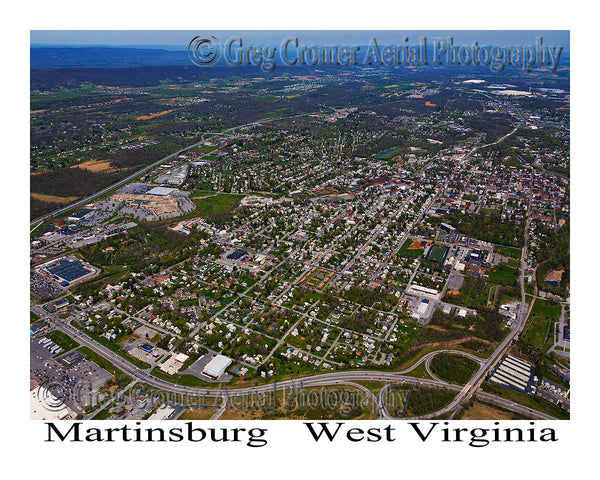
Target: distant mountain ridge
[[50, 58]]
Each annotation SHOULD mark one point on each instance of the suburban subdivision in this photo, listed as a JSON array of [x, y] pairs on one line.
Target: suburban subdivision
[[330, 243]]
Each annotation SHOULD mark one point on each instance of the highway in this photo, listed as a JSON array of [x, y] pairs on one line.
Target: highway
[[464, 392], [320, 380], [89, 198], [143, 170]]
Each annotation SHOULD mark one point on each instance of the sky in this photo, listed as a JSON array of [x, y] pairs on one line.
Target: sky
[[179, 39]]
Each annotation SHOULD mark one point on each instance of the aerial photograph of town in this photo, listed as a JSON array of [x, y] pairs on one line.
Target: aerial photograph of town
[[303, 225]]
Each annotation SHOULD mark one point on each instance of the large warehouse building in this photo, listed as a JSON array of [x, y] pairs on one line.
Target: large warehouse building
[[67, 270], [217, 366], [514, 374]]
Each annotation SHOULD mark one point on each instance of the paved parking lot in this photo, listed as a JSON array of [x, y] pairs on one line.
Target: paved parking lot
[[43, 287], [73, 384], [133, 348], [455, 281], [197, 367], [143, 330]]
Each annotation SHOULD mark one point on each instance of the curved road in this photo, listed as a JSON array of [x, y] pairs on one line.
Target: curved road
[[464, 392], [324, 379]]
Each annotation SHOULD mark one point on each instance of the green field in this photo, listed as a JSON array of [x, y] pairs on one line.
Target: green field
[[540, 330], [62, 340], [103, 414], [204, 149], [185, 379], [508, 251], [437, 253], [219, 203], [410, 253], [503, 275], [544, 308]]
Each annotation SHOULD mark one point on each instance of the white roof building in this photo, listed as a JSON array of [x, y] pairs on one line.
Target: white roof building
[[181, 357], [161, 191], [217, 366], [164, 412], [423, 307], [420, 289], [43, 405]]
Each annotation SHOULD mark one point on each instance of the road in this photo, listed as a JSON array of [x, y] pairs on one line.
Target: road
[[89, 198], [143, 170], [464, 392], [325, 379]]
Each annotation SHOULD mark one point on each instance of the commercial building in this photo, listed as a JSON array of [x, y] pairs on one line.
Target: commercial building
[[423, 290], [164, 412], [146, 347], [80, 215], [160, 191], [447, 228], [423, 307], [44, 405], [217, 366], [67, 270], [181, 358], [514, 374]]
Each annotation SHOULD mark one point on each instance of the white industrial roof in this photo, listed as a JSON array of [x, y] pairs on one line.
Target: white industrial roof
[[160, 191], [163, 413], [217, 365], [43, 405], [181, 357]]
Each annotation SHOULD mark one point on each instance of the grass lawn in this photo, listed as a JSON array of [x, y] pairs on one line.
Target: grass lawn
[[539, 330], [420, 372], [483, 411], [542, 318], [182, 379], [198, 413], [103, 414], [410, 253], [543, 308], [202, 193], [204, 148], [62, 340], [503, 275], [221, 202]]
